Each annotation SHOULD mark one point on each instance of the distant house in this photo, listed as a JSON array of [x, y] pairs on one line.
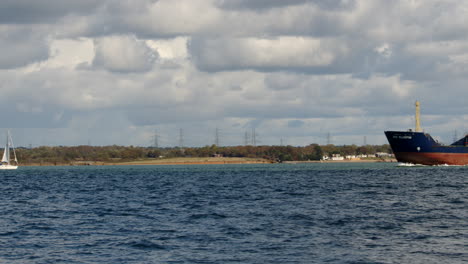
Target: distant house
[[337, 157], [383, 155]]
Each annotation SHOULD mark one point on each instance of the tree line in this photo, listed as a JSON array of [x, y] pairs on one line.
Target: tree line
[[67, 154]]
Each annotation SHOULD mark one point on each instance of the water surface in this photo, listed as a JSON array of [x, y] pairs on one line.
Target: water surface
[[274, 213]]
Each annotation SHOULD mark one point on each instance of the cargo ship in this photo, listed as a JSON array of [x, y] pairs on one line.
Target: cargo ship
[[418, 147]]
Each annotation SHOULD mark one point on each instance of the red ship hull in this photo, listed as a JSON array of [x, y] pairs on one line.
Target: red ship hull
[[421, 148], [432, 158]]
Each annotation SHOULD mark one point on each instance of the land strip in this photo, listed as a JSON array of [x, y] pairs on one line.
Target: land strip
[[194, 161]]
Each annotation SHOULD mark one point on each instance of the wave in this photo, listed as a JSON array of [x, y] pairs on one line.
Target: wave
[[403, 164]]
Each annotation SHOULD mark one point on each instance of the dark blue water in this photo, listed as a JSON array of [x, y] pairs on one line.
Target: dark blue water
[[309, 213]]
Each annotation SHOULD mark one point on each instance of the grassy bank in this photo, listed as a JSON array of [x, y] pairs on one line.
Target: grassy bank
[[196, 160], [165, 161], [190, 161]]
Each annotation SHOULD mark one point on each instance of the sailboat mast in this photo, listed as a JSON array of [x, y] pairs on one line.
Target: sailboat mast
[[8, 147]]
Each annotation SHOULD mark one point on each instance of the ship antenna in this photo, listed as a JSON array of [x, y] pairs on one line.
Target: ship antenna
[[418, 123]]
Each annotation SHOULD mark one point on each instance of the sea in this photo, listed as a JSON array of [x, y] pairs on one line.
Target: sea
[[270, 213]]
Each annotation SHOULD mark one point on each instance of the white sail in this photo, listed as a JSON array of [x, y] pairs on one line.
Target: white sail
[[6, 152], [6, 155]]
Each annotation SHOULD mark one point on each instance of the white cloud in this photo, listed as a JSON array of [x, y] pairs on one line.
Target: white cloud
[[69, 53], [123, 54], [170, 49], [384, 50], [265, 54]]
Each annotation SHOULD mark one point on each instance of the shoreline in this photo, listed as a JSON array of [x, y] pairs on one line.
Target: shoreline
[[343, 161], [197, 161]]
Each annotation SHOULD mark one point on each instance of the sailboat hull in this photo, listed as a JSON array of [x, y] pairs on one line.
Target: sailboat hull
[[8, 167]]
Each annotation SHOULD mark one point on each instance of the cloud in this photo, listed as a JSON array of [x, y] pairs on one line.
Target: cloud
[[21, 46], [282, 53], [170, 49], [295, 123], [267, 4], [69, 53], [144, 19], [172, 18], [257, 4], [44, 11], [123, 54], [292, 69]]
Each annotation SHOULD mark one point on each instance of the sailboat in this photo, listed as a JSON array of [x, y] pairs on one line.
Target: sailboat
[[6, 159]]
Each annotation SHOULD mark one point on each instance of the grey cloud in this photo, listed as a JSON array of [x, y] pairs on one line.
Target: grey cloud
[[248, 60], [151, 19], [255, 123], [342, 55], [43, 11], [257, 4], [170, 114], [295, 123], [21, 47], [32, 106], [267, 4], [46, 118], [292, 54], [407, 64], [276, 110], [146, 19]]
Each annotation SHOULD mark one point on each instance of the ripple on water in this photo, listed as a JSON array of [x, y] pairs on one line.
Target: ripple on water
[[294, 213]]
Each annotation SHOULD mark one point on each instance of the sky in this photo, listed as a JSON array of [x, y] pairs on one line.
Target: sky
[[125, 72]]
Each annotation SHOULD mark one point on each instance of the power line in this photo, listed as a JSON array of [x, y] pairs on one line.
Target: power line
[[254, 137], [155, 139], [181, 138], [217, 137], [246, 138]]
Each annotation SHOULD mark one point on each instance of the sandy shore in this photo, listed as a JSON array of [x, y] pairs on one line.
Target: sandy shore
[[194, 161]]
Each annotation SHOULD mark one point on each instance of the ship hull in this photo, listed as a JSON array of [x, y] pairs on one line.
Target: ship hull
[[432, 158], [421, 148]]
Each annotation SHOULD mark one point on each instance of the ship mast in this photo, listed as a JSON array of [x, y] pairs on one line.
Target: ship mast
[[418, 122]]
